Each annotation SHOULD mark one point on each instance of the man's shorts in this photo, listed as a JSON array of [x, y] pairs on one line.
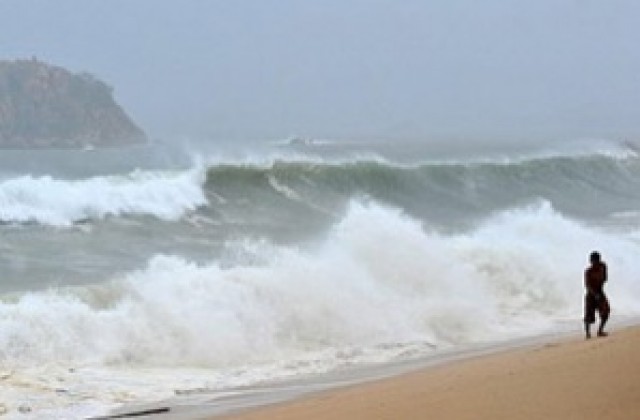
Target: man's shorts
[[591, 305]]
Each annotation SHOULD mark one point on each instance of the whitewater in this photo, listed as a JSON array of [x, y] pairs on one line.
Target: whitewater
[[130, 283]]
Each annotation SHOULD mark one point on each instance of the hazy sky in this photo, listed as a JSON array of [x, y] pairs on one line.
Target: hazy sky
[[349, 69]]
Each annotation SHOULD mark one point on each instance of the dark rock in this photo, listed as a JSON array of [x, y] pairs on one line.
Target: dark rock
[[44, 106]]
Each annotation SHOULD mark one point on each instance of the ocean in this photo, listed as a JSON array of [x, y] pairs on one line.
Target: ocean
[[140, 274]]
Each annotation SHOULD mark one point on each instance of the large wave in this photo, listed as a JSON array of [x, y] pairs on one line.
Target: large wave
[[446, 194], [49, 201], [594, 185], [377, 278]]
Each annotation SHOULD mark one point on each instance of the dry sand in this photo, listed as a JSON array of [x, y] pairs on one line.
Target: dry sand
[[572, 379]]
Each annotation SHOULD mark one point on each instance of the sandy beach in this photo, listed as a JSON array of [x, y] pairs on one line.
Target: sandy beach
[[568, 379]]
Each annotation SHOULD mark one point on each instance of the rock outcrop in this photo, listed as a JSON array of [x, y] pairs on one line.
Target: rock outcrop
[[44, 106]]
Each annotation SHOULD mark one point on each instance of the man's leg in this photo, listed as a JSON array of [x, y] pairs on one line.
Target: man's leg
[[604, 317], [589, 314], [603, 321]]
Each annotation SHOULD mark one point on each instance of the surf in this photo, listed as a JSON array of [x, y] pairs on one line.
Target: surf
[[58, 202]]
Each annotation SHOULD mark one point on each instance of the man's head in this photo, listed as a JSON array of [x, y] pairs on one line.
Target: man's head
[[594, 257]]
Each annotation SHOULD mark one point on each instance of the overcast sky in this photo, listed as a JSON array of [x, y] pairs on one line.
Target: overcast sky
[[269, 69]]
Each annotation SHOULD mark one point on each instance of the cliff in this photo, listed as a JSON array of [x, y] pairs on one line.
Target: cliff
[[44, 106]]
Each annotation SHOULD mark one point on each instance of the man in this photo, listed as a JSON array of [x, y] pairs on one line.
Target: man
[[595, 300]]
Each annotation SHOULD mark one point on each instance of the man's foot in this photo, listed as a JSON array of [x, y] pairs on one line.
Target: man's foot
[[588, 336], [602, 334]]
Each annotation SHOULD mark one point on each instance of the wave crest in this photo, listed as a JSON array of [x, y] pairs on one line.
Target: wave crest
[[56, 202]]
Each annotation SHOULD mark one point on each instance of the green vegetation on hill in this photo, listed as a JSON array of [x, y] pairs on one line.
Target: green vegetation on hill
[[47, 106]]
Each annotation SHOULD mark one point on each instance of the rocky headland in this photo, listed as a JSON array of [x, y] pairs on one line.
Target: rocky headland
[[45, 106]]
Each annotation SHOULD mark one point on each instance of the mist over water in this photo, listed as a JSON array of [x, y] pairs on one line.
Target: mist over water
[[193, 271]]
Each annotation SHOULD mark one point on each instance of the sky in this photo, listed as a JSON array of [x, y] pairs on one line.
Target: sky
[[349, 69]]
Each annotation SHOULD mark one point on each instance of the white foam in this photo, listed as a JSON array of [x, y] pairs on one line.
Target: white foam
[[378, 286], [56, 202]]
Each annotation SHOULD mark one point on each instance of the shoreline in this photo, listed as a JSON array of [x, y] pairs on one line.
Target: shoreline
[[568, 378], [247, 402]]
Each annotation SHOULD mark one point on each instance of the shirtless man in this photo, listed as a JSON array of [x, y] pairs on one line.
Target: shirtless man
[[595, 300]]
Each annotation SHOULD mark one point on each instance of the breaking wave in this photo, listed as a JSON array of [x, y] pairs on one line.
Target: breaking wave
[[379, 277], [56, 202]]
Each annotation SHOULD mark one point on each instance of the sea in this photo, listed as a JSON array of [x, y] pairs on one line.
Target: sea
[[141, 274]]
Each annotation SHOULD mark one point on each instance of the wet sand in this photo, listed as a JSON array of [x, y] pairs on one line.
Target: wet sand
[[566, 379]]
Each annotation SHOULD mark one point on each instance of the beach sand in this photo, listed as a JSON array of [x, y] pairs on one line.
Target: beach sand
[[568, 379]]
